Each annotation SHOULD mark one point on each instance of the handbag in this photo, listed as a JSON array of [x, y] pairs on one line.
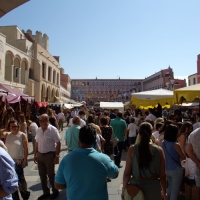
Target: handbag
[[133, 192], [115, 140]]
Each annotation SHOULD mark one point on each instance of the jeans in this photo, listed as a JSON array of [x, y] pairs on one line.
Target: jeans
[[174, 178], [22, 182], [46, 168], [197, 178], [118, 153]]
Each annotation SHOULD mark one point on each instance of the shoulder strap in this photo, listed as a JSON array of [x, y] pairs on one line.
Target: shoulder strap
[[172, 156]]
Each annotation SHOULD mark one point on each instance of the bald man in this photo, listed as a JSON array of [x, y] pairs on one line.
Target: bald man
[[47, 150], [72, 134]]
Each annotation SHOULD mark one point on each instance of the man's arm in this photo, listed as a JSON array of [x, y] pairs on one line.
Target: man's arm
[[59, 186], [60, 182], [35, 153], [9, 179], [56, 159], [192, 156], [25, 145]]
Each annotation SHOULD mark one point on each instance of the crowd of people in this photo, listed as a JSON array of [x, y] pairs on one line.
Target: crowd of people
[[163, 153]]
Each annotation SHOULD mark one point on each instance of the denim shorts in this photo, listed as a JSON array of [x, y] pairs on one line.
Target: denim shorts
[[197, 178]]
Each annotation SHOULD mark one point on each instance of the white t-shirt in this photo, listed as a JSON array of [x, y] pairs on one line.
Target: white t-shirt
[[33, 128], [61, 116], [132, 129], [81, 125], [47, 140], [156, 134], [98, 141], [151, 116], [196, 125], [194, 140], [190, 167]]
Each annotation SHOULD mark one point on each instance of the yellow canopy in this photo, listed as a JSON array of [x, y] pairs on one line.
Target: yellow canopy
[[187, 94], [150, 99]]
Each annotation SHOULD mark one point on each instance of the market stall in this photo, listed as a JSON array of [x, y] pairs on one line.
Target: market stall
[[150, 99], [187, 94], [112, 105]]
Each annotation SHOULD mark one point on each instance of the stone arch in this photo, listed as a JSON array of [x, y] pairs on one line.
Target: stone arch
[[18, 57], [57, 93], [24, 71], [43, 93], [8, 66]]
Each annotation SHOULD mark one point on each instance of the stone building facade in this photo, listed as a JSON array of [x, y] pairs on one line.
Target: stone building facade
[[163, 79], [192, 79], [65, 87], [93, 90], [26, 63], [16, 59]]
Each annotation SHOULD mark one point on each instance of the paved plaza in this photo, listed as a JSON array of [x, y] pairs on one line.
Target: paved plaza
[[33, 179]]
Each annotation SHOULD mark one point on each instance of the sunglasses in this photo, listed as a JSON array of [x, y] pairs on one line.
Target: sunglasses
[[14, 126]]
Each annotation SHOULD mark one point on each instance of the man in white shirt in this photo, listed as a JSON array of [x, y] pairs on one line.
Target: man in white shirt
[[47, 149], [81, 114], [193, 150], [151, 116], [74, 112], [132, 132], [61, 119]]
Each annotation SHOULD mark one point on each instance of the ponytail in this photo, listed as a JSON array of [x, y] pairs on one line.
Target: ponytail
[[144, 152]]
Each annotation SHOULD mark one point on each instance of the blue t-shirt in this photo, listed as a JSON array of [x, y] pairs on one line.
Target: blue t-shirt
[[84, 172], [71, 136]]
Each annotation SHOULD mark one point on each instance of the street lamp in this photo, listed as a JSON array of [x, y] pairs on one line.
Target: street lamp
[[170, 84]]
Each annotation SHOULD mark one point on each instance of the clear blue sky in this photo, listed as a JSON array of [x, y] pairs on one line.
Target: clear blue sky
[[112, 38]]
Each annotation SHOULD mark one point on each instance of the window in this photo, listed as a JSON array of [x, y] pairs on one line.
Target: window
[[31, 73], [17, 72], [49, 74], [43, 70], [194, 81], [189, 82]]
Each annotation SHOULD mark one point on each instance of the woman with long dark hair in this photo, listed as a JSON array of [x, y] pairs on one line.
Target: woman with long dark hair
[[183, 134], [145, 166], [173, 154]]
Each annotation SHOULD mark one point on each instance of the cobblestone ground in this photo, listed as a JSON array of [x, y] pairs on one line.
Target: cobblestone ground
[[33, 180]]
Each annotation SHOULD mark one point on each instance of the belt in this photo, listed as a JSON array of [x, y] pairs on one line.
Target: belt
[[47, 152], [145, 179]]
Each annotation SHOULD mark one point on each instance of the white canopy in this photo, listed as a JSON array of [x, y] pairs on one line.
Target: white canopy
[[65, 105], [153, 94], [112, 105]]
